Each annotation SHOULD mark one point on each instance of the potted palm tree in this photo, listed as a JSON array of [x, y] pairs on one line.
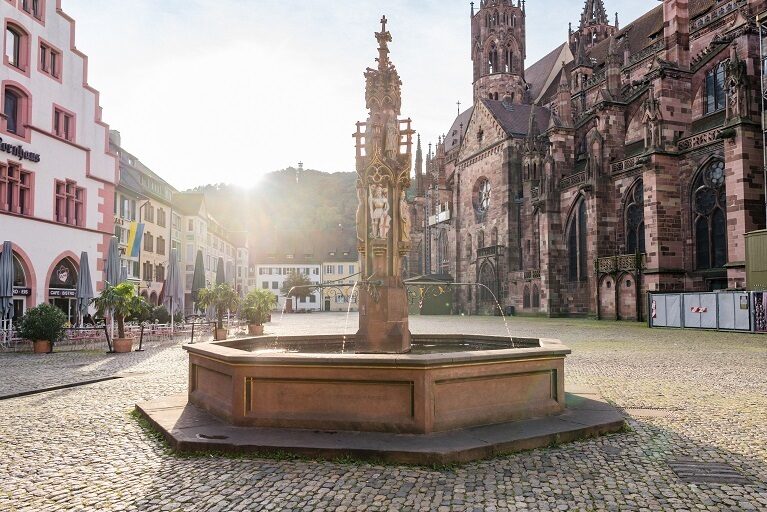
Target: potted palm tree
[[256, 308], [43, 325], [123, 302], [222, 298]]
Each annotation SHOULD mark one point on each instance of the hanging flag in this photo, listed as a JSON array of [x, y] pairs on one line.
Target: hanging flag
[[135, 234]]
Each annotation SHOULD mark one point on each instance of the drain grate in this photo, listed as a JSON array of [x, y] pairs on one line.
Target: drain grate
[[693, 472]]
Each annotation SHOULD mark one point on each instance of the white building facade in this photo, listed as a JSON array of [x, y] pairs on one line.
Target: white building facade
[[272, 277], [57, 175]]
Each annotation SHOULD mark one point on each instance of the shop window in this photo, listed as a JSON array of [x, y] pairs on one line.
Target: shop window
[[70, 203], [15, 190]]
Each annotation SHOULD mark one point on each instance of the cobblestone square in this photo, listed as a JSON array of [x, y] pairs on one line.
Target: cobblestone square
[[690, 396]]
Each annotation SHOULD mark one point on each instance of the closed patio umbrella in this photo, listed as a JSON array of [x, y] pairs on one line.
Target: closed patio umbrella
[[6, 281], [173, 289], [84, 294], [220, 272], [112, 268], [198, 280]]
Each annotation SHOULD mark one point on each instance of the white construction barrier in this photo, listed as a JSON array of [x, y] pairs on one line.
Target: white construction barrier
[[731, 311]]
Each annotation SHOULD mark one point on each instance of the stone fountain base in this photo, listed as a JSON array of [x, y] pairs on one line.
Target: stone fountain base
[[189, 429], [415, 408]]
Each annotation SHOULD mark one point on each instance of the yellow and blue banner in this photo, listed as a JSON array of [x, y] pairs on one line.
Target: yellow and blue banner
[[135, 234]]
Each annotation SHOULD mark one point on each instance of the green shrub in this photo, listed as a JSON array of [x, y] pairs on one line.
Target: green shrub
[[43, 323]]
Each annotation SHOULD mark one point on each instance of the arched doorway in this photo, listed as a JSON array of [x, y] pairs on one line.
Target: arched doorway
[[62, 287]]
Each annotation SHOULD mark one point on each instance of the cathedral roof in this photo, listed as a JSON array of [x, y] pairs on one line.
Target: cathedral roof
[[542, 73], [638, 35], [515, 118], [455, 136]]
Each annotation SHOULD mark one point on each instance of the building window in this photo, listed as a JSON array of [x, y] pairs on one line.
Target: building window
[[340, 269], [33, 7], [161, 217], [13, 40], [70, 203], [15, 190], [159, 273], [351, 269], [328, 269], [635, 241], [482, 191], [148, 271], [50, 61], [148, 242], [265, 285], [576, 244], [191, 225], [149, 213], [710, 217], [715, 99], [14, 108], [275, 285], [63, 124], [161, 246]]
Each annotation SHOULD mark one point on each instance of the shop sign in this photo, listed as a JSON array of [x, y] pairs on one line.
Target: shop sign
[[21, 292], [60, 292], [18, 151]]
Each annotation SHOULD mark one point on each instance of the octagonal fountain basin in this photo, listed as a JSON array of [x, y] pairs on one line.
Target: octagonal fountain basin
[[447, 382]]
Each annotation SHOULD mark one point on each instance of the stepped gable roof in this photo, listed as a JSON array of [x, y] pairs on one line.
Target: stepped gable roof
[[515, 118], [538, 74], [454, 141]]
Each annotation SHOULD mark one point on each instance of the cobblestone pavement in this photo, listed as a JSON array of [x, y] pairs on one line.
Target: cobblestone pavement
[[698, 396]]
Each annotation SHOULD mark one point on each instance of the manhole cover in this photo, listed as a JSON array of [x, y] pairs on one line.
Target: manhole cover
[[707, 472], [212, 438]]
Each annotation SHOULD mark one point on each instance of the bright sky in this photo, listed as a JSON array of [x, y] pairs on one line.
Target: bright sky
[[208, 91]]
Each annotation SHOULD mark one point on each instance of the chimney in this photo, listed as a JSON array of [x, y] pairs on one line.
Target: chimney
[[676, 31]]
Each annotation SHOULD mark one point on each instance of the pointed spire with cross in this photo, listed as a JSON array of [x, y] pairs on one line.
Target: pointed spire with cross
[[384, 38]]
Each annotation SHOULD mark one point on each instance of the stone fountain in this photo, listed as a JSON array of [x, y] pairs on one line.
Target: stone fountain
[[384, 392]]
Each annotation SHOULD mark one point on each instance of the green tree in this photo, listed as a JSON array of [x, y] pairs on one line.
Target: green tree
[[223, 298], [123, 302], [297, 285], [257, 306]]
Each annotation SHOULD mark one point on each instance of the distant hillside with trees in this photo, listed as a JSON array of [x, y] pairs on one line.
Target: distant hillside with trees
[[286, 201]]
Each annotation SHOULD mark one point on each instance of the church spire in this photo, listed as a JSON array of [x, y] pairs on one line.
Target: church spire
[[419, 168], [594, 13]]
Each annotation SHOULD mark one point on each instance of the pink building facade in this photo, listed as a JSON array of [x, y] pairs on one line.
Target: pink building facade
[[57, 175]]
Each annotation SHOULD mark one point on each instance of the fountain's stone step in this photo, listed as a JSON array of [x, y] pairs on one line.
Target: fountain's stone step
[[189, 429]]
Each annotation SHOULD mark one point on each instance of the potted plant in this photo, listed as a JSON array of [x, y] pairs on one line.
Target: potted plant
[[43, 325], [122, 302], [222, 298], [256, 308]]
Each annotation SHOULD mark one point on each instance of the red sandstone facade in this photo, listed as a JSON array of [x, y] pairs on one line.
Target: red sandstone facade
[[627, 160]]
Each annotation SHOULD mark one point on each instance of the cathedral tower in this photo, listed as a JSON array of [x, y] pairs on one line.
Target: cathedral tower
[[498, 50], [594, 26]]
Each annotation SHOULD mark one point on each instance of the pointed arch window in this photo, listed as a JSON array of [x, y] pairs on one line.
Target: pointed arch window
[[635, 241], [576, 244], [709, 203], [492, 59]]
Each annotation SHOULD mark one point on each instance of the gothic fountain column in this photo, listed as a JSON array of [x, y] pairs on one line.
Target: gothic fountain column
[[384, 144]]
